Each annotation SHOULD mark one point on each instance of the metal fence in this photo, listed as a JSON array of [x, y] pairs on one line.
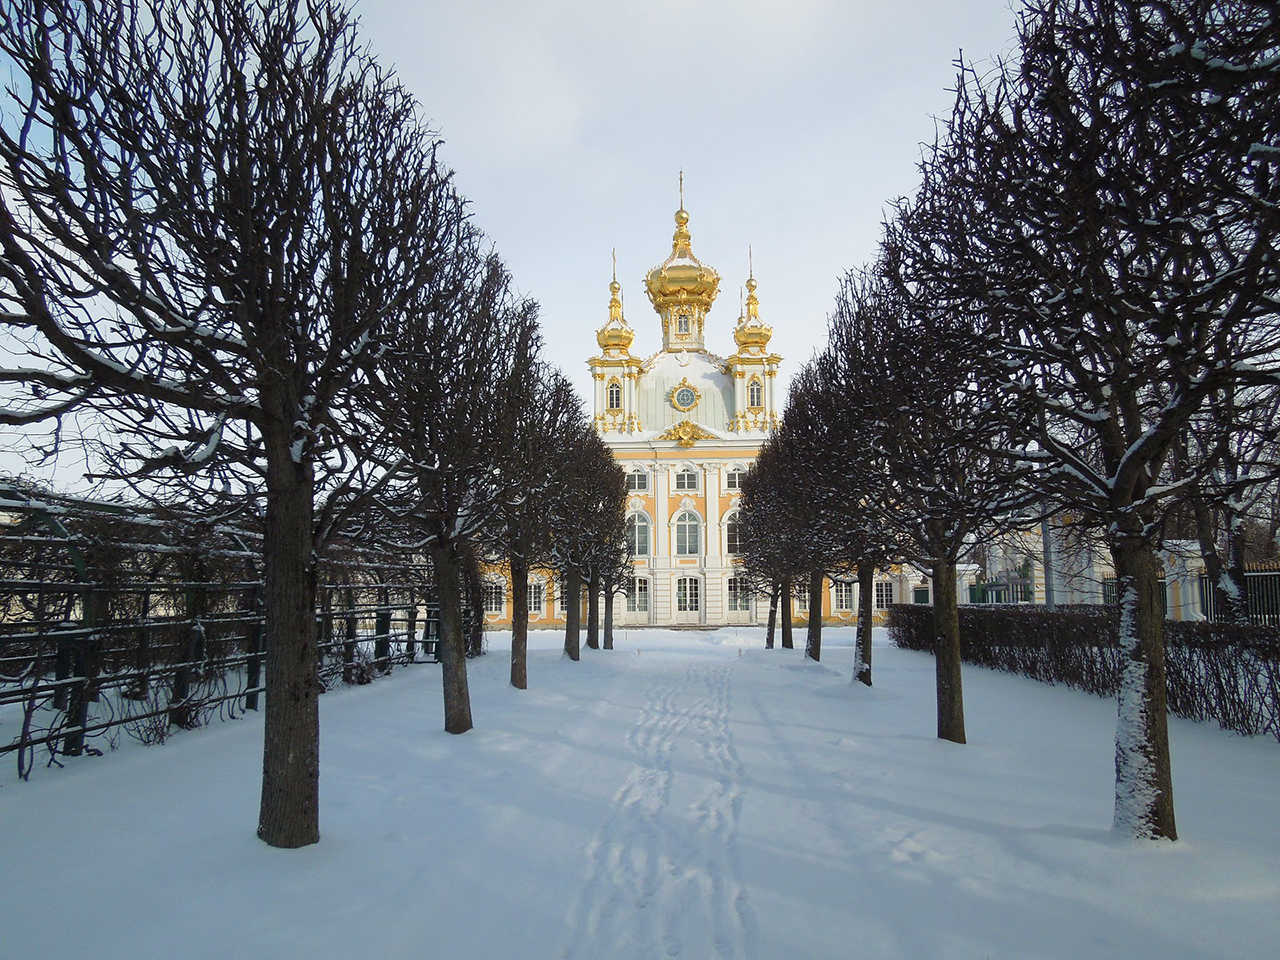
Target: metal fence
[[119, 619], [1262, 589]]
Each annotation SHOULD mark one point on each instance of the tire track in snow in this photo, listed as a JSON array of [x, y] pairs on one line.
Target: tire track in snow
[[653, 875]]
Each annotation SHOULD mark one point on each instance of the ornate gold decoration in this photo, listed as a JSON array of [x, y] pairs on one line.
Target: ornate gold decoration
[[682, 280], [616, 334], [686, 433], [684, 384], [751, 333]]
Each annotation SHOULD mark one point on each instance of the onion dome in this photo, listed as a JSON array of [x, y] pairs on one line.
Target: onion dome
[[751, 331], [616, 334], [682, 278]]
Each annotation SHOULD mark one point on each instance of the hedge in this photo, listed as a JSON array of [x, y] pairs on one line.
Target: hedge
[[1215, 671]]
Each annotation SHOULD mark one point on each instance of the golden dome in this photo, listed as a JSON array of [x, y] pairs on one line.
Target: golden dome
[[682, 278], [616, 334], [751, 330]]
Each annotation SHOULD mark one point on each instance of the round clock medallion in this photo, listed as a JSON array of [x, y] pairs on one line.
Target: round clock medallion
[[685, 396]]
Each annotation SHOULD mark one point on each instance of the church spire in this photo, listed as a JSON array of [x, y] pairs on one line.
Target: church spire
[[682, 289], [751, 334], [616, 333]]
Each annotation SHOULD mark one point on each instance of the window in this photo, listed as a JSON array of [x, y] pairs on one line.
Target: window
[[731, 535], [615, 396], [687, 525], [844, 595], [739, 594], [638, 534], [637, 595], [884, 594], [686, 480], [802, 602], [687, 595], [637, 481], [733, 480], [755, 394], [493, 598], [537, 598], [682, 323], [562, 600]]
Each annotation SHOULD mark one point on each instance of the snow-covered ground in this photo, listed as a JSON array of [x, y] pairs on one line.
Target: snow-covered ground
[[684, 795]]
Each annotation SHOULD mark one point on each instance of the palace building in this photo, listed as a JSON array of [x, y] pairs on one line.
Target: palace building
[[686, 424]]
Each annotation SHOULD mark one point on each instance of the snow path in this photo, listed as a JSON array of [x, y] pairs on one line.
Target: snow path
[[688, 795], [653, 878]]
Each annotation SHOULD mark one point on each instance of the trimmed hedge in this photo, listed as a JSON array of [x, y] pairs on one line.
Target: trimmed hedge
[[1215, 671]]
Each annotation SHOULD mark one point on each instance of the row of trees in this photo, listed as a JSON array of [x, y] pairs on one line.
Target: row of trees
[[1078, 312], [232, 258]]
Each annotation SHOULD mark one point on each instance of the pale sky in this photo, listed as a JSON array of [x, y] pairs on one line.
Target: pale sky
[[567, 123], [794, 122]]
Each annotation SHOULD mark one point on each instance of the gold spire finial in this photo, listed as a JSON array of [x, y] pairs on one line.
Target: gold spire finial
[[615, 335], [740, 311], [681, 189], [753, 304]]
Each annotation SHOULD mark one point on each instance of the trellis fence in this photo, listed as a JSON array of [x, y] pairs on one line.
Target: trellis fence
[[1215, 671], [139, 621]]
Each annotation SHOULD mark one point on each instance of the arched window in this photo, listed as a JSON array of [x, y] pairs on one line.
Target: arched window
[[615, 396], [731, 535], [638, 534], [755, 393], [687, 534], [682, 323]]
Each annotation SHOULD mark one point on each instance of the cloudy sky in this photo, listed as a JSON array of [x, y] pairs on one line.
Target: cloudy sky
[[793, 121]]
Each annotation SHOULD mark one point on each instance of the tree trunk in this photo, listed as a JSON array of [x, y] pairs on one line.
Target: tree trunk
[[608, 618], [289, 813], [813, 637], [451, 646], [866, 591], [946, 641], [519, 623], [773, 615], [1235, 586], [1144, 780], [475, 600], [1227, 588], [787, 643], [573, 609], [593, 610]]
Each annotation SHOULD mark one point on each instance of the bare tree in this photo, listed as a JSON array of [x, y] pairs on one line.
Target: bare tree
[[204, 213], [545, 428], [1106, 210], [445, 392], [595, 494]]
